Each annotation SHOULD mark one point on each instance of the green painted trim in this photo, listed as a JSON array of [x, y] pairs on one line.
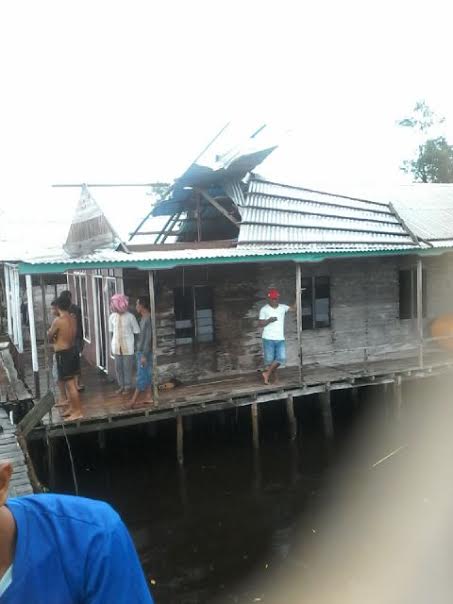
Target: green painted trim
[[26, 268]]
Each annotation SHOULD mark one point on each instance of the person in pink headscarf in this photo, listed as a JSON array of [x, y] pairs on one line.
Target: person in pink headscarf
[[123, 326]]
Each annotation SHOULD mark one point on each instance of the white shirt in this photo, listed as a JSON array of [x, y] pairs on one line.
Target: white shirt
[[123, 327], [276, 329]]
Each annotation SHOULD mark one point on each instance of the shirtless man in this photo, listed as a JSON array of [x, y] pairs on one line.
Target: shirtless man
[[62, 334]]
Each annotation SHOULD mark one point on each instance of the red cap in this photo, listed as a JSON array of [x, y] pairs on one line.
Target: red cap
[[273, 294]]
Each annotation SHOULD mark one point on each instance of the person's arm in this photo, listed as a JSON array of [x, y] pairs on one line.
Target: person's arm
[[111, 319], [264, 320], [53, 330], [114, 573], [135, 325]]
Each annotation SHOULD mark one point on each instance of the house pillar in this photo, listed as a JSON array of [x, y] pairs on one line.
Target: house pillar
[[398, 396], [152, 302], [8, 301], [299, 318], [34, 347], [255, 425], [420, 310], [180, 439]]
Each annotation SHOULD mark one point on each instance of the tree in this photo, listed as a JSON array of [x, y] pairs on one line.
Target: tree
[[434, 161]]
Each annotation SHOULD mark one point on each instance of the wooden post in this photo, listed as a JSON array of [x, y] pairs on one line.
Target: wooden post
[[152, 302], [45, 327], [20, 336], [291, 417], [34, 347], [326, 410], [255, 425], [420, 310], [180, 439], [355, 397], [50, 462], [398, 396], [299, 318], [8, 301]]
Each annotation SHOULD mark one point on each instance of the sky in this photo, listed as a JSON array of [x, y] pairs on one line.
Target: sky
[[109, 91]]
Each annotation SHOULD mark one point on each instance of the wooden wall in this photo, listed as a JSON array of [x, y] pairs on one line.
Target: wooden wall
[[364, 313]]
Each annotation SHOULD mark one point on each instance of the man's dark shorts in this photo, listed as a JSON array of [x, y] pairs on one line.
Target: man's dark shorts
[[68, 363]]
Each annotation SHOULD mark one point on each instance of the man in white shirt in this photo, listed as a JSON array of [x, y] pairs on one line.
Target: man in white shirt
[[272, 320]]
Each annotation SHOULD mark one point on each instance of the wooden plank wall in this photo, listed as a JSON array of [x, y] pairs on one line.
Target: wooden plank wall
[[364, 311]]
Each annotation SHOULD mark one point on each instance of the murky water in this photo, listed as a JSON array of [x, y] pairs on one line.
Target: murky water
[[223, 527]]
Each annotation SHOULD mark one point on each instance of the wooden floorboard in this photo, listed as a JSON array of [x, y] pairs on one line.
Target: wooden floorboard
[[11, 451], [101, 404]]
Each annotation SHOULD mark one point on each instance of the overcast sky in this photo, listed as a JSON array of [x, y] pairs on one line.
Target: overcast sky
[[109, 91]]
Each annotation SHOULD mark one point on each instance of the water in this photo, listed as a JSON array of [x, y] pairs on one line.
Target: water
[[222, 528]]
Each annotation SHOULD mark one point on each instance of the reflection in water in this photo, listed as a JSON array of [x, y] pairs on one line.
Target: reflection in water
[[235, 523]]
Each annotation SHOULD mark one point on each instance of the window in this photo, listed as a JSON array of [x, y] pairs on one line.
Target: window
[[194, 316], [408, 293], [315, 302]]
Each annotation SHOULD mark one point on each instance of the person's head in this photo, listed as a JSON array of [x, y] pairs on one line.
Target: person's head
[[6, 469], [63, 303], [273, 297], [119, 303], [66, 294], [142, 305], [54, 308]]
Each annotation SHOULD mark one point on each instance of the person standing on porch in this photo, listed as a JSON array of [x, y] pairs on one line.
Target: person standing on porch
[[62, 334], [272, 320], [144, 359], [76, 311], [123, 326]]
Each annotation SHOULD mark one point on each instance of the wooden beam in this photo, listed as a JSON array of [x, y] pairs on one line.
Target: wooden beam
[[255, 425], [218, 207], [34, 347], [180, 439], [299, 318], [35, 415], [45, 327], [8, 300], [152, 303], [420, 310]]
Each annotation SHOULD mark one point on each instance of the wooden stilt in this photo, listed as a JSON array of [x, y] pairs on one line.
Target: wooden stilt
[[255, 425], [180, 440], [292, 422], [326, 410], [50, 462], [355, 397], [398, 397], [102, 440]]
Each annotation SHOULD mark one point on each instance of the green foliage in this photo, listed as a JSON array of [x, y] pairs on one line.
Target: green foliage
[[434, 162]]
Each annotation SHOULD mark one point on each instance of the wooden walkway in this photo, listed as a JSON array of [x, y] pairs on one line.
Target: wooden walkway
[[11, 451], [104, 409]]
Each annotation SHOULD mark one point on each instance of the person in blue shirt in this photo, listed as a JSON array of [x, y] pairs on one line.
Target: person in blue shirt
[[57, 549]]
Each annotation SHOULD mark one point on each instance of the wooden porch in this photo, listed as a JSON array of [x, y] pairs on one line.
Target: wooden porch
[[104, 409]]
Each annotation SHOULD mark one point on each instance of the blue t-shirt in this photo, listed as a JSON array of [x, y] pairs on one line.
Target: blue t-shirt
[[72, 550]]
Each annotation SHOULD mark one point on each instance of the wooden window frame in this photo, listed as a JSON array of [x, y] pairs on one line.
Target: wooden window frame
[[313, 325]]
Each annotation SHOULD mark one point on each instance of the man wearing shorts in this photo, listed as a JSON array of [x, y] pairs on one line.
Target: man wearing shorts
[[62, 334], [272, 320]]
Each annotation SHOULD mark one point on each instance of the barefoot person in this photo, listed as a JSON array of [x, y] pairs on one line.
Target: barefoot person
[[62, 396], [143, 394], [123, 326], [76, 311], [57, 549], [272, 320], [62, 333]]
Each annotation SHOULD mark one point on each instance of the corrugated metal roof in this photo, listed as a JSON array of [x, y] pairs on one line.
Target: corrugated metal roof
[[426, 208], [277, 214]]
